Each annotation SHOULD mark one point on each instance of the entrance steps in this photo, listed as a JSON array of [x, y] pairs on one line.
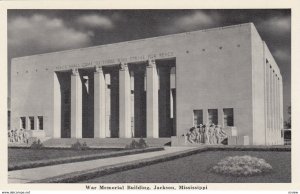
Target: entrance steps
[[25, 144], [104, 142]]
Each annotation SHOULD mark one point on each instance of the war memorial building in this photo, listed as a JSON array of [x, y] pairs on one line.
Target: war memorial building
[[152, 88]]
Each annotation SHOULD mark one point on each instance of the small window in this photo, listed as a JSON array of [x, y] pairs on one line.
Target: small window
[[41, 122], [228, 116], [198, 117], [31, 123], [213, 116], [23, 122]]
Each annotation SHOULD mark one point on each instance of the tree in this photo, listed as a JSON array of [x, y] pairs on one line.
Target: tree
[[288, 123]]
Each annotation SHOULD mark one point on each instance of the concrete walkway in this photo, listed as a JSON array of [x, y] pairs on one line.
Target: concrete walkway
[[35, 174]]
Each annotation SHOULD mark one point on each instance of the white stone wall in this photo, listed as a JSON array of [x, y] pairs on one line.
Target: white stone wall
[[215, 69]]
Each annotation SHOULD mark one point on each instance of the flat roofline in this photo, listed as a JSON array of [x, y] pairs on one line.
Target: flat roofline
[[137, 40]]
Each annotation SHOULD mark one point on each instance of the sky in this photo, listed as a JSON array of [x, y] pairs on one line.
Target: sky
[[39, 31]]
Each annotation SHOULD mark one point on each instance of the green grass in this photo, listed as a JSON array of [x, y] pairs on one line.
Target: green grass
[[197, 169]]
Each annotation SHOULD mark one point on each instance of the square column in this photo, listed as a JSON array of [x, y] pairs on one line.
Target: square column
[[269, 105], [205, 116], [36, 123], [152, 100], [124, 102], [281, 109], [274, 105], [281, 103], [56, 108], [272, 102], [220, 117], [76, 105], [99, 103], [107, 78], [277, 112], [265, 100]]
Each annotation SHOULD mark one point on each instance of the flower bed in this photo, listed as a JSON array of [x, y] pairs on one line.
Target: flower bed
[[242, 166]]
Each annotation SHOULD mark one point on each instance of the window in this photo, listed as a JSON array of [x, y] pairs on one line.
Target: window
[[228, 116], [198, 117], [213, 116], [31, 123], [23, 122], [41, 122]]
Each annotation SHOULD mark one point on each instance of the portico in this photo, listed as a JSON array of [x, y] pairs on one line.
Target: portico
[[123, 100]]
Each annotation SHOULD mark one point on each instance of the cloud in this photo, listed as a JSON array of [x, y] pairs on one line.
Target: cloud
[[195, 21], [43, 34], [282, 55], [279, 25], [96, 21]]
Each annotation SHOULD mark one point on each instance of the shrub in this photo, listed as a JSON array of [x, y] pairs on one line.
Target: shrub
[[137, 145], [142, 143], [242, 166], [37, 144], [79, 146]]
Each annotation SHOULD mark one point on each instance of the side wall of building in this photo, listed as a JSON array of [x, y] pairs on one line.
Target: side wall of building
[[258, 88], [274, 99]]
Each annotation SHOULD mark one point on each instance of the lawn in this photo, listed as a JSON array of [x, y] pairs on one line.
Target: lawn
[[19, 155], [196, 169]]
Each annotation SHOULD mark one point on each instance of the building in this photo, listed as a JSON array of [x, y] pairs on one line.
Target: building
[[154, 87]]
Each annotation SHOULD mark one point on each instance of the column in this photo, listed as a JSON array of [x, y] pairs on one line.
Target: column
[[266, 99], [281, 107], [220, 117], [269, 104], [99, 103], [132, 105], [76, 105], [278, 109], [107, 79], [277, 112], [152, 99], [28, 127], [124, 102], [274, 107], [205, 116], [36, 123], [56, 108]]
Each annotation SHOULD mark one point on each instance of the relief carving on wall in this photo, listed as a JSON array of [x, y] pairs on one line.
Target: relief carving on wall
[[206, 134]]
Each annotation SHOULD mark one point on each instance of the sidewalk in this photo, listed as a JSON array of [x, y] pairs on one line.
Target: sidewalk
[[35, 174]]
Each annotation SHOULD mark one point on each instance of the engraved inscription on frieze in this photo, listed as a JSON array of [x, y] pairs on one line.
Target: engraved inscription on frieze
[[129, 59]]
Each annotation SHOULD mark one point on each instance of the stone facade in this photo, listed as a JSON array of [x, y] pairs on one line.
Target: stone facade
[[155, 87]]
